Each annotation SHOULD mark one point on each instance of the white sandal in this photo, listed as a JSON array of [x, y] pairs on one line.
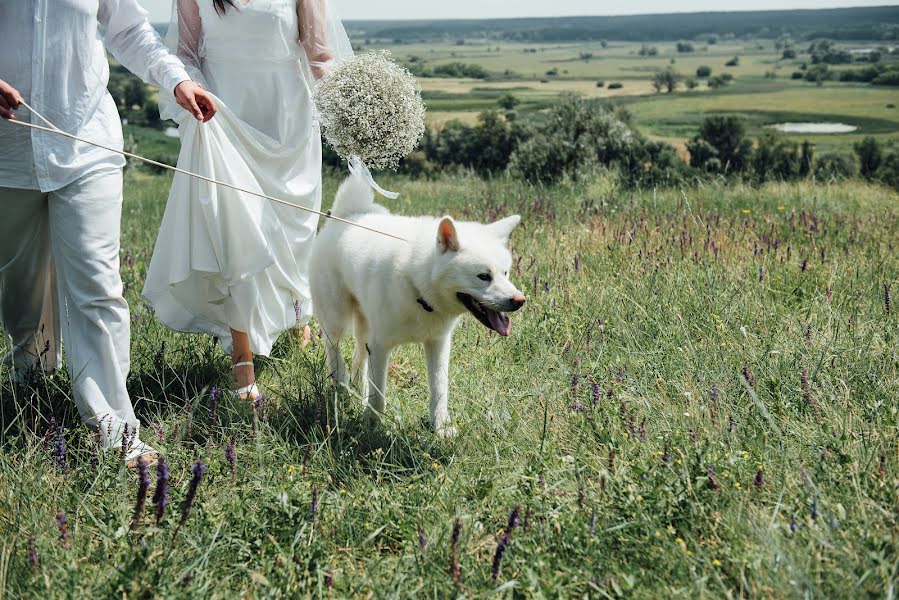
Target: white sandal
[[249, 392]]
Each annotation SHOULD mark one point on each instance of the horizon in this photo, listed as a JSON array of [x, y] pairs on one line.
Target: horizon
[[402, 10]]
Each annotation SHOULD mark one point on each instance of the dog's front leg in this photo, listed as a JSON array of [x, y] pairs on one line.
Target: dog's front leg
[[377, 380], [437, 352]]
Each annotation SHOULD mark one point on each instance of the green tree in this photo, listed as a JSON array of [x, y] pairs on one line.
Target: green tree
[[724, 139], [704, 71], [508, 102], [870, 156], [135, 93]]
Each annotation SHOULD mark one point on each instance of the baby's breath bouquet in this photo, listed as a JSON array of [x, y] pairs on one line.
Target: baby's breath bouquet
[[371, 108]]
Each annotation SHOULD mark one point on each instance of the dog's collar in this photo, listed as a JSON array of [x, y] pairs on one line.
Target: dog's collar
[[425, 305]]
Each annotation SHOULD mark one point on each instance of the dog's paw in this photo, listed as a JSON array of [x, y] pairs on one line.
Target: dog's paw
[[447, 433]]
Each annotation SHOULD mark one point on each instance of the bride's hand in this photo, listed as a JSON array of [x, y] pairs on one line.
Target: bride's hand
[[194, 99]]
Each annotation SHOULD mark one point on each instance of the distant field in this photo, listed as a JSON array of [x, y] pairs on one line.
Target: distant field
[[762, 90]]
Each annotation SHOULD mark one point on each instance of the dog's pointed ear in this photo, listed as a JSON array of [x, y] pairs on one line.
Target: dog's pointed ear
[[447, 237], [504, 227]]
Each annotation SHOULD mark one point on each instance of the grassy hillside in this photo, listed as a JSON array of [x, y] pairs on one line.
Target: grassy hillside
[[699, 400]]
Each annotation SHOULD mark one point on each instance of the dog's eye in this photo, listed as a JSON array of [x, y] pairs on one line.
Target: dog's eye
[[485, 277]]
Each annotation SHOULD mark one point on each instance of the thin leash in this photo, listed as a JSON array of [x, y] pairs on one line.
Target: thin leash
[[51, 128]]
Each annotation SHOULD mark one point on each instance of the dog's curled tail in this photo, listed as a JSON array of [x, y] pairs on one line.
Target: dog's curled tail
[[355, 197]]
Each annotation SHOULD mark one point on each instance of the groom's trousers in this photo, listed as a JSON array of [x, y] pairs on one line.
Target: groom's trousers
[[59, 276]]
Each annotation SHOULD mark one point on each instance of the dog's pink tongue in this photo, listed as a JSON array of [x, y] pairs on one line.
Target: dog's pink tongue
[[500, 323]]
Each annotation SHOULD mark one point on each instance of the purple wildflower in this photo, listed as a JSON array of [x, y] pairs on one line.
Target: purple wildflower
[[313, 508], [747, 375], [161, 496], [454, 569], [514, 521], [422, 539], [32, 552], [143, 484], [501, 548], [197, 472], [215, 395], [597, 393], [231, 457], [59, 451], [887, 303], [759, 480], [62, 523]]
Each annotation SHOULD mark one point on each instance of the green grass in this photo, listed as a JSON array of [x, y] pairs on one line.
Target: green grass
[[646, 492]]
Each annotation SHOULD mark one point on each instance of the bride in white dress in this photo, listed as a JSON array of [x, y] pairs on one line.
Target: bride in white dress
[[226, 263]]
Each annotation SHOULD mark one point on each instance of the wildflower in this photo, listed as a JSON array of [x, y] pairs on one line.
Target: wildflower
[[813, 511], [666, 455], [500, 551], [161, 496], [143, 484], [794, 527], [716, 563], [215, 395], [804, 265], [882, 466], [713, 478], [313, 507], [886, 298], [260, 408], [527, 519], [807, 392], [32, 552], [454, 569], [611, 460], [231, 457], [577, 263], [745, 211], [62, 523], [422, 538], [59, 450], [759, 480], [197, 472], [594, 388], [514, 521], [747, 375]]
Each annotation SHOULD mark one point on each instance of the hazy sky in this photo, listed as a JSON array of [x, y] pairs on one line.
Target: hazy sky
[[475, 9]]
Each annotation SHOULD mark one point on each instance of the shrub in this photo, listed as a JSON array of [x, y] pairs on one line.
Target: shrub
[[615, 85], [776, 158], [508, 101], [870, 156], [788, 54], [734, 62], [458, 69], [576, 135], [835, 166], [722, 138], [888, 172], [704, 71], [797, 75], [600, 83], [685, 47]]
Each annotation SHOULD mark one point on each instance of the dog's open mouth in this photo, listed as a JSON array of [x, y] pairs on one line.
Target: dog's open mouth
[[492, 319]]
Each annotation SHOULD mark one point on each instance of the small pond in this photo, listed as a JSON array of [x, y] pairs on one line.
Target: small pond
[[815, 127]]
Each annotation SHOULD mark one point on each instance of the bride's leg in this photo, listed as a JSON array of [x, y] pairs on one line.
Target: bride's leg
[[304, 335], [244, 376]]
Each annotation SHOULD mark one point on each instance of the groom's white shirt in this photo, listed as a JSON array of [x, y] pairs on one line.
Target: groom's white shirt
[[46, 58]]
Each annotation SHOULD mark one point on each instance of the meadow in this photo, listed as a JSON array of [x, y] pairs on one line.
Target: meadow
[[699, 400], [762, 90]]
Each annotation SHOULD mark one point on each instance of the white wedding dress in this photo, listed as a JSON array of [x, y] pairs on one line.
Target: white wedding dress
[[225, 259]]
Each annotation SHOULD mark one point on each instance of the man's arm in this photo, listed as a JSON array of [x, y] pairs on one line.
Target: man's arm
[[135, 44], [10, 100]]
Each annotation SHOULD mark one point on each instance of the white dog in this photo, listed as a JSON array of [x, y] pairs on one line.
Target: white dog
[[394, 292]]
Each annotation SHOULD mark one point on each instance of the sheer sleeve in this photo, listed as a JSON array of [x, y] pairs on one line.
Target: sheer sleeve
[[313, 21], [190, 32]]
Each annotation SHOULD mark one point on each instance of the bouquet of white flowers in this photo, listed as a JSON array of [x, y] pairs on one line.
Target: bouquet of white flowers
[[370, 108]]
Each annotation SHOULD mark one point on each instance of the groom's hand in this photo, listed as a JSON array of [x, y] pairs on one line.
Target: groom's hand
[[10, 100], [194, 99]]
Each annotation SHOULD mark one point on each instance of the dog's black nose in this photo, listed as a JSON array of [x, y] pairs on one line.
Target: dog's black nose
[[517, 301]]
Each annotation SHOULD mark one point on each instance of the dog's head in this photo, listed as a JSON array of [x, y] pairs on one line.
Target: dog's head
[[472, 270]]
